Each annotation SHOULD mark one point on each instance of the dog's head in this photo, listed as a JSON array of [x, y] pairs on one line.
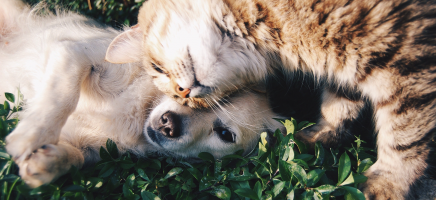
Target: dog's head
[[234, 124], [193, 49]]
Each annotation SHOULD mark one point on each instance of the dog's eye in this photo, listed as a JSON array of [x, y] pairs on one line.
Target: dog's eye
[[158, 69], [225, 134]]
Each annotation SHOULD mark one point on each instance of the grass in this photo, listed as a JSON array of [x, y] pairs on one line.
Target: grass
[[280, 171]]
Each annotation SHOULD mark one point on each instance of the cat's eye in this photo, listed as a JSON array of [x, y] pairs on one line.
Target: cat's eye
[[224, 134], [158, 69]]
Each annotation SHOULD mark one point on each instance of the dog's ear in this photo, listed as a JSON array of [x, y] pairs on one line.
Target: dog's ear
[[126, 47], [259, 87]]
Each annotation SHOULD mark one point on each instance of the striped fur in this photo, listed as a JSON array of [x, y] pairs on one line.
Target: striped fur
[[382, 52]]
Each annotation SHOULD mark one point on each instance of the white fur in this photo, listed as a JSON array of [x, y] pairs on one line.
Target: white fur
[[75, 100]]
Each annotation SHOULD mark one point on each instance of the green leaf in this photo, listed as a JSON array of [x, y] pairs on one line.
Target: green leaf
[[291, 194], [73, 188], [285, 171], [325, 189], [258, 189], [6, 106], [94, 182], [6, 167], [300, 162], [149, 196], [262, 150], [319, 153], [263, 137], [5, 155], [309, 195], [143, 175], [364, 165], [305, 157], [289, 125], [246, 192], [304, 124], [130, 180], [104, 155], [301, 146], [107, 170], [221, 192], [112, 148], [314, 176], [206, 182], [155, 164], [278, 187], [299, 173], [126, 164], [197, 175], [334, 155], [175, 187], [354, 178], [10, 97], [173, 172], [43, 189], [206, 156], [354, 192], [344, 168], [3, 112], [359, 178]]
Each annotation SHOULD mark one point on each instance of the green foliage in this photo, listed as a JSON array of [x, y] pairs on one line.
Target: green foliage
[[282, 171], [112, 12]]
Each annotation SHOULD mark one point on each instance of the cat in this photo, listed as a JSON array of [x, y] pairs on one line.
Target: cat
[[381, 52], [75, 101]]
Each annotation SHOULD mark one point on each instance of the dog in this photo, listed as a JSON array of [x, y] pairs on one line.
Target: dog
[[75, 100]]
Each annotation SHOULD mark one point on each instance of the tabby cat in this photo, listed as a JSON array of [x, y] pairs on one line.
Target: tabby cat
[[382, 52]]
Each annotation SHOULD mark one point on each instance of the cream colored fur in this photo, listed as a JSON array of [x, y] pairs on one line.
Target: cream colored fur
[[75, 100]]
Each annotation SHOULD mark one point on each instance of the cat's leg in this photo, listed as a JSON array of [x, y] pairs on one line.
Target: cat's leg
[[49, 163], [338, 115], [405, 128], [66, 67]]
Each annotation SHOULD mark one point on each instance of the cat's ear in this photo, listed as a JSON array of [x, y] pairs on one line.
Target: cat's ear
[[126, 47]]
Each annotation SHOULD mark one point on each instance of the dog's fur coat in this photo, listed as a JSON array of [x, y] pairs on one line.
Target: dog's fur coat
[[75, 100]]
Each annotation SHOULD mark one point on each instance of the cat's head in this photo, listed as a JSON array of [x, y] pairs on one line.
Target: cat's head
[[193, 51]]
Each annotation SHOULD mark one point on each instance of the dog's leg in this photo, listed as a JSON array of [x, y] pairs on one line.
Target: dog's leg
[[337, 116], [66, 67], [49, 162]]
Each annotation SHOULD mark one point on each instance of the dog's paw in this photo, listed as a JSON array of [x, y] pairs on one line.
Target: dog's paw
[[44, 165], [26, 139]]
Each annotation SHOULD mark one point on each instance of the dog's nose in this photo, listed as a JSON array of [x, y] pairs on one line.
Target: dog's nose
[[184, 93], [169, 124]]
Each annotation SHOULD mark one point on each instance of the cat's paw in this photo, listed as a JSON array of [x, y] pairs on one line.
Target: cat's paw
[[384, 184], [380, 188], [317, 133], [44, 165], [27, 138]]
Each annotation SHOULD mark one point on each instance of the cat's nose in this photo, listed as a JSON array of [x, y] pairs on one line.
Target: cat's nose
[[169, 125], [184, 93]]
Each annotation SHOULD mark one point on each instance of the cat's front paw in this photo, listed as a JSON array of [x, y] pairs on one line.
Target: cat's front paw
[[377, 187], [44, 165], [27, 138], [318, 133]]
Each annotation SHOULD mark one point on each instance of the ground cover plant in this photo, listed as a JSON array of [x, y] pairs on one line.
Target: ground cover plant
[[113, 12], [284, 170]]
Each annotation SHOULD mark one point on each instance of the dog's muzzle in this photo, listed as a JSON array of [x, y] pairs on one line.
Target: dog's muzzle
[[169, 128]]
